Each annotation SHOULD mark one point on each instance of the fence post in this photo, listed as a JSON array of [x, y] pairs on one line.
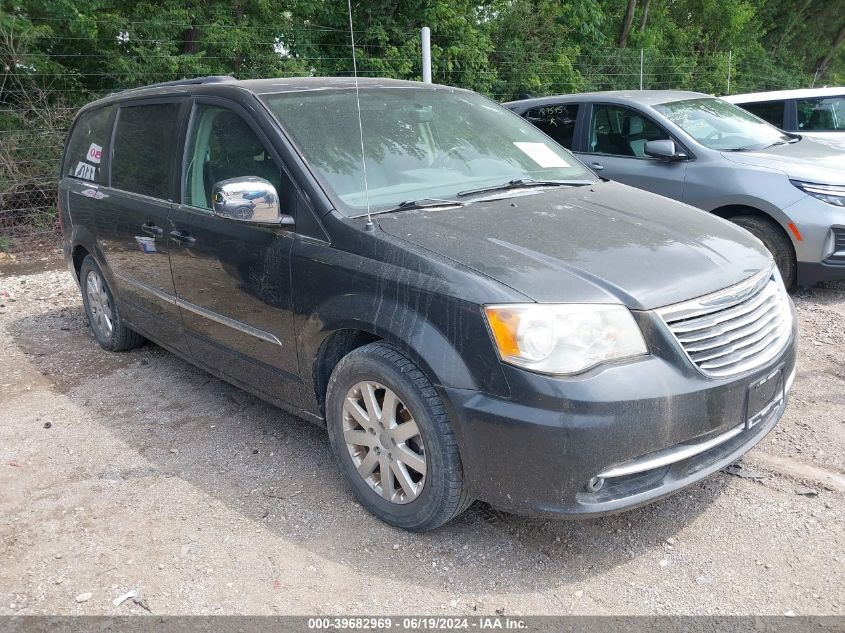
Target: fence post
[[730, 57], [641, 69], [425, 34]]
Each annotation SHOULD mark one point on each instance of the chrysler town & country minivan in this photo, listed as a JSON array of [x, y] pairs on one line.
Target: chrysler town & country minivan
[[468, 310]]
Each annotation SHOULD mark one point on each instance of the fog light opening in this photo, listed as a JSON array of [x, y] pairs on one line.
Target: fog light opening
[[595, 484], [829, 245]]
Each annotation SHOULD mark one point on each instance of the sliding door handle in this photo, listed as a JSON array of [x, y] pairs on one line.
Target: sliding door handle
[[183, 237], [151, 229]]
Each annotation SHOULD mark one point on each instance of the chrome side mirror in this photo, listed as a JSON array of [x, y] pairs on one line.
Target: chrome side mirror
[[664, 149], [249, 199]]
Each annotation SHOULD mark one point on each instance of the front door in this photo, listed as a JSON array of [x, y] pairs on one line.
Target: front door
[[616, 138], [232, 276], [132, 233]]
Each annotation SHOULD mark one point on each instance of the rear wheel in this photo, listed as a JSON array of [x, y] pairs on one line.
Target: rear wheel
[[391, 438], [773, 237], [103, 315]]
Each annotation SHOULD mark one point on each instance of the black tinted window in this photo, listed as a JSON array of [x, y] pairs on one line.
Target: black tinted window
[[622, 132], [771, 111], [558, 121], [821, 114], [144, 145], [88, 142]]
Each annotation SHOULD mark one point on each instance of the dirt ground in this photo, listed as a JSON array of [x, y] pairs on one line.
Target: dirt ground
[[136, 471]]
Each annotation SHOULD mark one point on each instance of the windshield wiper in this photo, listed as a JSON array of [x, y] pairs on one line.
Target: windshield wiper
[[424, 203], [752, 148], [521, 183]]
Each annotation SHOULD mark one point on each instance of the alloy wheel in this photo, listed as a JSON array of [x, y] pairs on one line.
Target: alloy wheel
[[99, 304], [384, 442]]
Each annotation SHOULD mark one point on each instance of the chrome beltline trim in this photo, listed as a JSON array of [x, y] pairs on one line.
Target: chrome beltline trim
[[681, 452], [203, 312]]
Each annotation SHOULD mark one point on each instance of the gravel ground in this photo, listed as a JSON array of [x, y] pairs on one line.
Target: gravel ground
[[137, 471]]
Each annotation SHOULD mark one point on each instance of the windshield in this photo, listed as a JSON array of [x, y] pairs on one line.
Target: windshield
[[720, 125], [419, 143]]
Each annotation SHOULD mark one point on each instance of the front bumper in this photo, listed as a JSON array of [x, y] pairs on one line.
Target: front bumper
[[815, 220], [537, 452], [812, 273]]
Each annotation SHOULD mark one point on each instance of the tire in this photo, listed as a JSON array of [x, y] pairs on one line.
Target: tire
[[102, 311], [776, 241], [440, 494]]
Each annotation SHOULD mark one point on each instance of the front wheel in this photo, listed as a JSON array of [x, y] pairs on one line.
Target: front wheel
[[776, 241], [392, 440]]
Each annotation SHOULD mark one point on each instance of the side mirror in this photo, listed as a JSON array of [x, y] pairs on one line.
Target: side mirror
[[664, 149], [249, 199]]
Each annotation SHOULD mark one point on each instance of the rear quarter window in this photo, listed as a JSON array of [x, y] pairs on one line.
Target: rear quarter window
[[144, 149], [87, 146], [558, 121]]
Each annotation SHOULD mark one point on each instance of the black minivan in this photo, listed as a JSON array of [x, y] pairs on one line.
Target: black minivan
[[471, 312]]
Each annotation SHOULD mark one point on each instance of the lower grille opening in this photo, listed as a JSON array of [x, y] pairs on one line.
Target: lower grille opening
[[837, 258]]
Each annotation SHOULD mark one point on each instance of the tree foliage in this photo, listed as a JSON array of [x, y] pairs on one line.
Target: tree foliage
[[78, 48], [58, 54]]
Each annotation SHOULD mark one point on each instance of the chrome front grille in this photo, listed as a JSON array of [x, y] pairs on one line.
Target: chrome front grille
[[736, 329]]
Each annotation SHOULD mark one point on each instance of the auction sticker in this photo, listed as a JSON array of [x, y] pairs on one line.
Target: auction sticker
[[85, 171], [95, 153], [542, 154]]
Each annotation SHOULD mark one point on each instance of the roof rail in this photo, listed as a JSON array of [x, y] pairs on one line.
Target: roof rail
[[210, 79]]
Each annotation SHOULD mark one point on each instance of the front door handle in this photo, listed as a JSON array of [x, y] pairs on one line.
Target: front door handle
[[183, 237], [597, 166], [151, 229]]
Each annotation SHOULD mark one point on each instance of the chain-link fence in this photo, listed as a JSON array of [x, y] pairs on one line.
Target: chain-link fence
[[36, 107]]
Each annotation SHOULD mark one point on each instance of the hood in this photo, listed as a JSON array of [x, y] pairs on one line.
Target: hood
[[836, 140], [808, 159], [606, 243]]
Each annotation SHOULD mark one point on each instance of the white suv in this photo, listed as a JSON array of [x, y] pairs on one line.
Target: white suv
[[815, 112]]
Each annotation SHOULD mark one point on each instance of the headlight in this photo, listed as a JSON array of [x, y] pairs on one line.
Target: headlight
[[563, 338], [832, 194]]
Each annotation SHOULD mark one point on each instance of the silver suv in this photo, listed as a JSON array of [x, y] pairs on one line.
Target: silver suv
[[787, 190]]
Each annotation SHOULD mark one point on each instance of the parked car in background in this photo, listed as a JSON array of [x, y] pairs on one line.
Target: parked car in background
[[788, 191], [470, 311], [818, 113]]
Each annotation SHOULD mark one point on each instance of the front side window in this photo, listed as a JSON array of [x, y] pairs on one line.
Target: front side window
[[84, 158], [620, 131], [221, 146], [558, 121], [823, 114], [720, 125], [144, 149], [770, 111], [418, 143]]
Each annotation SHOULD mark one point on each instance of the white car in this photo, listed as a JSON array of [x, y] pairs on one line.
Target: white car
[[815, 112]]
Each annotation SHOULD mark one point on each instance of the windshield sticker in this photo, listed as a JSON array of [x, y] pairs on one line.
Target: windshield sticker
[[85, 171], [542, 154], [95, 153]]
